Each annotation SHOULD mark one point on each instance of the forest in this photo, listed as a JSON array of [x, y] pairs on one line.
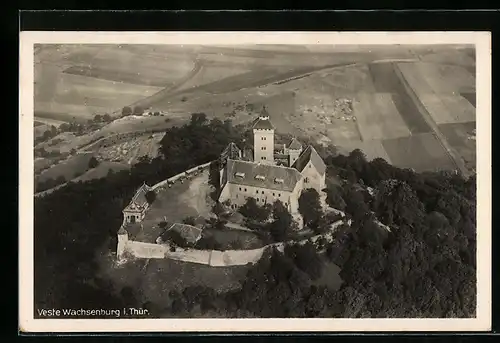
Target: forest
[[423, 265]]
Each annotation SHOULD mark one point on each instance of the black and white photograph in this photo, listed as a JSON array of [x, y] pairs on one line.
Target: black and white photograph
[[330, 179]]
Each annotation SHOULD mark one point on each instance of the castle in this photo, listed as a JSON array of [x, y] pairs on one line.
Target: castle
[[277, 172]]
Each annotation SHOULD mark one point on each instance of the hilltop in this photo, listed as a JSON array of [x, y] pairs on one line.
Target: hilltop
[[409, 252]]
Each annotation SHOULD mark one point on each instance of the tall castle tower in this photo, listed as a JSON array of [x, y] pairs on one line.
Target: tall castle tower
[[263, 139]]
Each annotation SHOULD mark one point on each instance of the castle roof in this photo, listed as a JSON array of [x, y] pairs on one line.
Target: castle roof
[[139, 200], [262, 175], [190, 233], [310, 154], [279, 146], [262, 123], [231, 151], [294, 144]]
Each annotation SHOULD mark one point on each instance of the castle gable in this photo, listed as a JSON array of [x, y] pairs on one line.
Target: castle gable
[[310, 155]]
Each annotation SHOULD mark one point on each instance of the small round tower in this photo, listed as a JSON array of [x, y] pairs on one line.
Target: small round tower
[[122, 242]]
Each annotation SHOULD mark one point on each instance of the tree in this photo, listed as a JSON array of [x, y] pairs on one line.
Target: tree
[[334, 198], [310, 206], [93, 162], [106, 118], [97, 118], [150, 197], [127, 111], [253, 211], [218, 209], [198, 119], [306, 258], [138, 110], [355, 202], [189, 220], [281, 226]]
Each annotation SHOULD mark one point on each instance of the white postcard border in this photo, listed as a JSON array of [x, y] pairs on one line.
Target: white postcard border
[[27, 323]]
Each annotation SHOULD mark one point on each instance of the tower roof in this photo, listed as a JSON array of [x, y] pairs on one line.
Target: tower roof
[[294, 144], [122, 231], [262, 123]]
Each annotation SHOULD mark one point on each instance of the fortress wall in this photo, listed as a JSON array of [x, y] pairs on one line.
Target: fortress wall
[[214, 258], [180, 175], [145, 250]]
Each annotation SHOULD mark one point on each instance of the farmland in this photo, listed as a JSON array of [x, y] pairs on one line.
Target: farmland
[[412, 96], [69, 169]]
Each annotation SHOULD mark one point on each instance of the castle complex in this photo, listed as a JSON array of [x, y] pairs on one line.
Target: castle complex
[[277, 172]]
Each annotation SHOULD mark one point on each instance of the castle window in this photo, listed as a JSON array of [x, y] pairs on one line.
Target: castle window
[[306, 180], [262, 192], [279, 194], [274, 194], [264, 157], [245, 189], [258, 199], [257, 191], [286, 204]]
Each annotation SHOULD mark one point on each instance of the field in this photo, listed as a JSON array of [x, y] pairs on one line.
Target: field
[[80, 81], [463, 138], [132, 149], [378, 117], [77, 164], [421, 152], [398, 94], [101, 171]]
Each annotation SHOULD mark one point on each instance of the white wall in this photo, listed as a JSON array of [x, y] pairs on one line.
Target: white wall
[[263, 139], [314, 179], [146, 250], [264, 196]]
